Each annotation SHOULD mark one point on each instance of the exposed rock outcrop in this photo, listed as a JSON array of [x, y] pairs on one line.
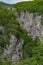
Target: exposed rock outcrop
[[8, 7], [14, 50], [32, 23]]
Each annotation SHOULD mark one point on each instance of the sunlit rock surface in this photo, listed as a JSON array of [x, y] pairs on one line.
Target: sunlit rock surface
[[32, 23], [14, 50]]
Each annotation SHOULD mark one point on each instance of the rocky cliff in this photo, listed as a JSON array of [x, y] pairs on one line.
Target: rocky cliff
[[30, 22]]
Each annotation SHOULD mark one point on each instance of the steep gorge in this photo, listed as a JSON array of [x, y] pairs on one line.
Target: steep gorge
[[26, 25]]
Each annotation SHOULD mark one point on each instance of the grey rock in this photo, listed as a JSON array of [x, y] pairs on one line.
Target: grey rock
[[31, 23]]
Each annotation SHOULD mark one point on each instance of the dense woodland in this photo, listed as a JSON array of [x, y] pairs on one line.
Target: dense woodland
[[32, 48]]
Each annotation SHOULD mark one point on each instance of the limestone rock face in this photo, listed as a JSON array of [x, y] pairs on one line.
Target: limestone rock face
[[31, 22], [8, 7], [17, 55], [14, 50], [11, 47]]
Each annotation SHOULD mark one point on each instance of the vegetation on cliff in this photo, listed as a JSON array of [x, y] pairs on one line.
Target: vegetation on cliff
[[31, 6], [32, 49]]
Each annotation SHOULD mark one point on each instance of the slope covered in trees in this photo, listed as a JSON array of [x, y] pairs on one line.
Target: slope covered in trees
[[32, 49], [31, 6]]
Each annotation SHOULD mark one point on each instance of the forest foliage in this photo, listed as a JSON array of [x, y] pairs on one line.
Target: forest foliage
[[32, 49]]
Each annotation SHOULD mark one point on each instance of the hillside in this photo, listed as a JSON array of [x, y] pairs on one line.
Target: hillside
[[21, 33], [31, 6]]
